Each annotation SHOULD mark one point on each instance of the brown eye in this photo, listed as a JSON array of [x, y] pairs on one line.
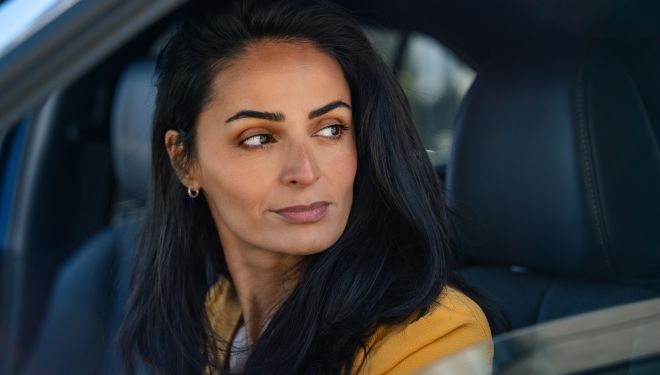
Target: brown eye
[[332, 131], [258, 140]]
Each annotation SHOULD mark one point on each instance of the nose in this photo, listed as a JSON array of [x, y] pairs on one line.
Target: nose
[[300, 167]]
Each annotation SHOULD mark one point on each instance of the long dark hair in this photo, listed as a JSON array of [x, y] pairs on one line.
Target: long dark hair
[[390, 264]]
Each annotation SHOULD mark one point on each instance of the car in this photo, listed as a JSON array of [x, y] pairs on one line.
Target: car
[[542, 120]]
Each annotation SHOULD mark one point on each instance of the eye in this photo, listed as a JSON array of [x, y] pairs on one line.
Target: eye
[[332, 131], [258, 140]]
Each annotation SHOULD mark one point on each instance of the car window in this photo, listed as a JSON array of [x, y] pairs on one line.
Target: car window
[[618, 340], [21, 18], [434, 80]]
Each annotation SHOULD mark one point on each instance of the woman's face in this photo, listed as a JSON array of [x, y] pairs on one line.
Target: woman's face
[[276, 156]]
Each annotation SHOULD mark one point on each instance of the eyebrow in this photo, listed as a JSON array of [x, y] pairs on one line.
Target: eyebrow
[[279, 116], [327, 108], [248, 113]]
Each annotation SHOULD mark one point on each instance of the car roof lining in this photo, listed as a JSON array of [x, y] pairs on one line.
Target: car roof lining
[[478, 30]]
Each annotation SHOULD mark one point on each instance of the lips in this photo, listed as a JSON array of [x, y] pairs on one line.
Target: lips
[[304, 214]]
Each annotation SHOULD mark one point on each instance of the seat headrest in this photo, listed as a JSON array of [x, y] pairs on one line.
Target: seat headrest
[[131, 127], [555, 167]]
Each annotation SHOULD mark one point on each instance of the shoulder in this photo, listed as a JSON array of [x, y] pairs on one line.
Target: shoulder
[[454, 323]]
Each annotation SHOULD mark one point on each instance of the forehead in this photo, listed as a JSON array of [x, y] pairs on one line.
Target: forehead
[[277, 73]]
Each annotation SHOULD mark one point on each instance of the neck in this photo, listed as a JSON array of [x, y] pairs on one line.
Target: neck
[[262, 280]]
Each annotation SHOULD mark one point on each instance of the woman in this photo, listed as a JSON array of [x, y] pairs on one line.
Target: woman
[[295, 223]]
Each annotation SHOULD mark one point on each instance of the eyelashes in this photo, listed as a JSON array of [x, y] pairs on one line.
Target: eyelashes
[[258, 140], [330, 132]]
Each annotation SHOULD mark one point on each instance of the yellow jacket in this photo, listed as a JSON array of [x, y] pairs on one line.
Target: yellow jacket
[[456, 322]]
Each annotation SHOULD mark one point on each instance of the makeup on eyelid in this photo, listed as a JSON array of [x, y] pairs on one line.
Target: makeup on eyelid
[[266, 137]]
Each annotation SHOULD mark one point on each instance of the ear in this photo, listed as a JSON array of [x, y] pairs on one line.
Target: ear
[[182, 166]]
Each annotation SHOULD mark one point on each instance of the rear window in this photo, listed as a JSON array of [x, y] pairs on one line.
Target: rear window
[[434, 80]]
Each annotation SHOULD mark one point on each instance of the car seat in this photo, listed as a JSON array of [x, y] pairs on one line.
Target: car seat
[[554, 178], [79, 334]]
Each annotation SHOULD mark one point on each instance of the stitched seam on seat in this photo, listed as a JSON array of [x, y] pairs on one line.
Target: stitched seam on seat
[[587, 163]]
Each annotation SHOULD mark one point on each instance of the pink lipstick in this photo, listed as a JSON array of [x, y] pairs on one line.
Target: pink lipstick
[[304, 214]]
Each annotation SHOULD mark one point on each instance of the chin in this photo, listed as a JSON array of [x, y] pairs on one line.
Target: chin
[[307, 249], [307, 244]]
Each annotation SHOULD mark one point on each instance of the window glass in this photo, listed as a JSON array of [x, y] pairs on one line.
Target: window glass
[[434, 80], [386, 42], [21, 18], [617, 340]]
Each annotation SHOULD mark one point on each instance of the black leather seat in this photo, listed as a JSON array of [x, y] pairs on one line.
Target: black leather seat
[[79, 334], [555, 178]]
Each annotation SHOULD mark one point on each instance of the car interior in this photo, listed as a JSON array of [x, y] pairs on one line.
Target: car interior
[[553, 176]]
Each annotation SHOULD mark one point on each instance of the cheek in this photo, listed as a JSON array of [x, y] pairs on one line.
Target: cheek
[[346, 177], [342, 169], [350, 162], [234, 188]]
